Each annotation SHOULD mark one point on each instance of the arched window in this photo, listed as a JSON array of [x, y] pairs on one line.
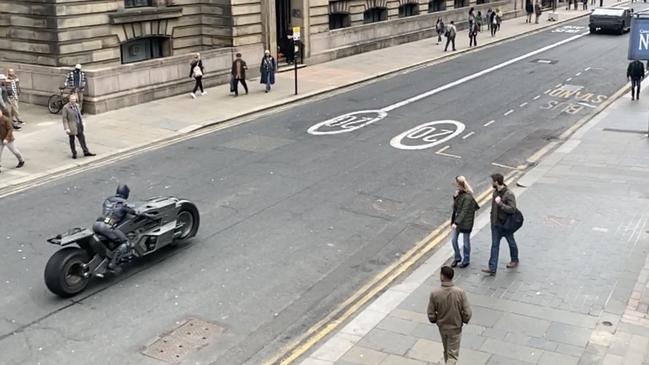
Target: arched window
[[408, 9], [374, 15], [339, 20], [141, 49], [436, 5], [460, 4]]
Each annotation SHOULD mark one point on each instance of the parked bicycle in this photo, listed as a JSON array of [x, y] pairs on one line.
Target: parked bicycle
[[56, 102]]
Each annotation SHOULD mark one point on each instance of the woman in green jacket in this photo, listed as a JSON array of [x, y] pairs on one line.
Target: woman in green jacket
[[464, 208]]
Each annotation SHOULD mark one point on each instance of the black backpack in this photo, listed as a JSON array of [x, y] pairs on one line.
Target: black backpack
[[513, 222]]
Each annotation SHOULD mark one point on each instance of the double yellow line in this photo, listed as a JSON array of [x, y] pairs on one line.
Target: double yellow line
[[369, 291]]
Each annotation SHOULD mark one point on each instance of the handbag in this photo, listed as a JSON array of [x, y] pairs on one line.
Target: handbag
[[197, 71], [513, 222]]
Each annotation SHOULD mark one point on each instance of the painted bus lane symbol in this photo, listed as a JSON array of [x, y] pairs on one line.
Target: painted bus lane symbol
[[347, 122], [428, 135], [572, 99]]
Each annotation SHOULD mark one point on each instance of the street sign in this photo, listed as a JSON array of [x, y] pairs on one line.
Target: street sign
[[639, 39], [296, 33]]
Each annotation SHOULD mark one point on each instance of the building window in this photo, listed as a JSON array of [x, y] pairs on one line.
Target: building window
[[408, 9], [459, 4], [142, 49], [136, 3], [339, 20], [374, 15], [436, 5]]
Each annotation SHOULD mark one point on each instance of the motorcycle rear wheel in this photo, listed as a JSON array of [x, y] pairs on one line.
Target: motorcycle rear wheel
[[64, 272]]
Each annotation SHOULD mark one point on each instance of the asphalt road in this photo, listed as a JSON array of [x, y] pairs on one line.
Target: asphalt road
[[292, 223]]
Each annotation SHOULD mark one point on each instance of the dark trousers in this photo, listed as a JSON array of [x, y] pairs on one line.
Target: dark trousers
[[494, 28], [236, 86], [199, 84], [82, 143], [635, 88], [496, 236], [439, 37], [473, 40], [448, 41]]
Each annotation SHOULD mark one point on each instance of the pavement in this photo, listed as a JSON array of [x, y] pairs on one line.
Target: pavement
[[294, 218], [581, 292], [111, 134]]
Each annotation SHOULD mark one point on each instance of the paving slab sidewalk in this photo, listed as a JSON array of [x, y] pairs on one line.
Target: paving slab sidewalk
[[581, 292], [45, 146]]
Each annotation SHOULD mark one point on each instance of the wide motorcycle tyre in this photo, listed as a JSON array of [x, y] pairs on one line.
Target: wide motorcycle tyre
[[64, 272], [188, 213]]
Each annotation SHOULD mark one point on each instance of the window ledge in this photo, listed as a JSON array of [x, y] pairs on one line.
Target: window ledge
[[134, 15]]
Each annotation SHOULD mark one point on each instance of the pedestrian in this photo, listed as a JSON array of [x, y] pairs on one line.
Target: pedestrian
[[503, 203], [197, 71], [529, 10], [575, 3], [73, 126], [494, 23], [7, 140], [488, 18], [5, 103], [479, 20], [238, 73], [568, 3], [267, 69], [451, 31], [585, 5], [448, 307], [473, 34], [601, 3], [464, 208], [76, 82], [537, 11], [499, 18], [635, 73], [439, 28], [592, 2], [14, 86], [471, 16]]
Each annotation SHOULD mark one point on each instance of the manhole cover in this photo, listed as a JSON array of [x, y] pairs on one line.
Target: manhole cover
[[191, 336]]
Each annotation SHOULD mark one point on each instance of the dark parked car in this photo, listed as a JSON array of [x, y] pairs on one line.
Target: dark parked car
[[613, 19]]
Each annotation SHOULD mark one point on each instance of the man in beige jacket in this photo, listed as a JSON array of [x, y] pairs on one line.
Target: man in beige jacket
[[73, 126], [449, 308]]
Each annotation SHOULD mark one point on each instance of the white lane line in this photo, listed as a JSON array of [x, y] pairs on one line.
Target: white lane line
[[547, 91], [537, 97], [522, 105], [468, 135], [480, 73], [587, 69], [568, 79], [587, 105], [443, 149], [503, 166], [578, 73], [441, 152], [489, 123], [508, 112], [557, 85]]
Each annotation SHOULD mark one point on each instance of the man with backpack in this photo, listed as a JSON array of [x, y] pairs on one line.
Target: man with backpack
[[504, 219], [451, 31]]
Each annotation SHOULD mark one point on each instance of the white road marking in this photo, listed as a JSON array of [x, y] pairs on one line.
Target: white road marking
[[503, 166], [587, 105], [547, 91], [568, 79], [43, 124], [522, 105], [366, 121], [489, 123], [443, 149], [441, 153], [587, 68], [537, 97], [599, 229], [508, 112], [468, 135], [578, 73], [557, 85], [431, 134]]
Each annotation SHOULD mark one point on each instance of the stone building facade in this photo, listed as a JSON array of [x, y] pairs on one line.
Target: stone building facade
[[138, 50]]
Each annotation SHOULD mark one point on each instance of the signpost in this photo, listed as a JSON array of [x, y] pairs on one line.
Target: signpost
[[639, 40], [296, 50]]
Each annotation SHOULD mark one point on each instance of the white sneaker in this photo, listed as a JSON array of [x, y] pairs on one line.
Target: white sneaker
[[193, 95], [204, 93]]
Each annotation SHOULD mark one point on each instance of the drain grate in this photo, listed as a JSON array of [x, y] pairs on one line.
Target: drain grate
[[188, 338]]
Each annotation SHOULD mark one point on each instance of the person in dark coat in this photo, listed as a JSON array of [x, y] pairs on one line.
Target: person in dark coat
[[238, 73], [267, 69], [451, 31], [462, 219], [529, 9], [635, 73], [503, 203], [473, 34], [439, 28], [197, 71]]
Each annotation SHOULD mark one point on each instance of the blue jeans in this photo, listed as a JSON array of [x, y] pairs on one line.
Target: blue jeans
[[455, 234], [496, 235]]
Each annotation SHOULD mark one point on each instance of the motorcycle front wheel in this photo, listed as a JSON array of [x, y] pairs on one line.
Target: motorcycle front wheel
[[65, 272], [187, 221]]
